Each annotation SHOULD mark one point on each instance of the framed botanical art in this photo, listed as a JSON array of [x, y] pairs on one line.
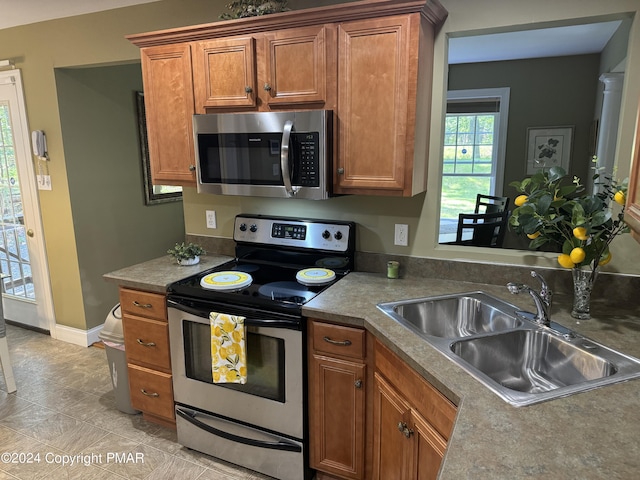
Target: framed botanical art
[[548, 147]]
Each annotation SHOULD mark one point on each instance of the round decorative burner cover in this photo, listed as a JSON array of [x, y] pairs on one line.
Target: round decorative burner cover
[[315, 276], [226, 280]]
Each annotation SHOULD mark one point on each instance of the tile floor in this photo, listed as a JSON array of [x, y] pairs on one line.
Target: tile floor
[[65, 408]]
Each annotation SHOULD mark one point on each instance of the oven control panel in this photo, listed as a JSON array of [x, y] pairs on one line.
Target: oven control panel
[[287, 232]]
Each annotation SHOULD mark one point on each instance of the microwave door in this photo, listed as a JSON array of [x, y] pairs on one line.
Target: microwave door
[[284, 159]]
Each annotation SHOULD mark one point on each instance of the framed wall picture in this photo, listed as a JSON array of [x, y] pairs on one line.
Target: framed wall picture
[[548, 147]]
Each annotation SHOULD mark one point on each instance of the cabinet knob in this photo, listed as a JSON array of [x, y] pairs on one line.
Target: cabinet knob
[[248, 89], [341, 171], [267, 87], [406, 431], [358, 383], [192, 168]]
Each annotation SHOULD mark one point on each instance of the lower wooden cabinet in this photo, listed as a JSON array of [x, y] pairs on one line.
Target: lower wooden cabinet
[[146, 339], [337, 400], [411, 421]]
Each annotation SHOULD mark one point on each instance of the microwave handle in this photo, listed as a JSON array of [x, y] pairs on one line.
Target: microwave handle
[[284, 159]]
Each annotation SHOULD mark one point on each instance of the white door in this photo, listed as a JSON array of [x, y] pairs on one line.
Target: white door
[[26, 290]]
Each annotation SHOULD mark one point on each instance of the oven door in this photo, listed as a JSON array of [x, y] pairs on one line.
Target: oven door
[[272, 398]]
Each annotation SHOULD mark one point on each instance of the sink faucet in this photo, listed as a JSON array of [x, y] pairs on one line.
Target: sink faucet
[[542, 300]]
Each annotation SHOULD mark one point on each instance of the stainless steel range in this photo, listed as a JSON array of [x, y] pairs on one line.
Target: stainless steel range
[[281, 263]]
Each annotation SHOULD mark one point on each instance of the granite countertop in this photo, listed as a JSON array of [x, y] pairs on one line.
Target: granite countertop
[[587, 435], [157, 274]]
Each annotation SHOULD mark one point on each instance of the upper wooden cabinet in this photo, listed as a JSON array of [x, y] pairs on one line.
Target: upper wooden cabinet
[[168, 99], [632, 212], [369, 61], [281, 68]]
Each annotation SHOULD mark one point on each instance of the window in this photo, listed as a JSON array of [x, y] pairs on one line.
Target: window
[[473, 152]]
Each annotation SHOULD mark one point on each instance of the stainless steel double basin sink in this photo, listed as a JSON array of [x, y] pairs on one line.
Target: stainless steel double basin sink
[[519, 360]]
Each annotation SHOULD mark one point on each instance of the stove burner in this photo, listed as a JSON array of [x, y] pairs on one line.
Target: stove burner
[[315, 276], [286, 291], [332, 262], [226, 281], [246, 267]]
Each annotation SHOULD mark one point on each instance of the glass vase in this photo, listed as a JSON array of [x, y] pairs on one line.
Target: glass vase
[[583, 281]]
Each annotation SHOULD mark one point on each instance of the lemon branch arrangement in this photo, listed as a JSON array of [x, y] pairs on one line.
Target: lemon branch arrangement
[[581, 226]]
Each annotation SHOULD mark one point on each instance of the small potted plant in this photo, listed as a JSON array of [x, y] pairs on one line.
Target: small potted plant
[[186, 253]]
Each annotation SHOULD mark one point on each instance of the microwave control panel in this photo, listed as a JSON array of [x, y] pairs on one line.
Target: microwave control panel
[[306, 158]]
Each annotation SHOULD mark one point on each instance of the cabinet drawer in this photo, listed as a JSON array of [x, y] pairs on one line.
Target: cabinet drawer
[[143, 304], [338, 340], [146, 342], [151, 391]]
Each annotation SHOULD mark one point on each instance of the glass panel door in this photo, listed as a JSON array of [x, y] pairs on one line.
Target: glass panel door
[[15, 265]]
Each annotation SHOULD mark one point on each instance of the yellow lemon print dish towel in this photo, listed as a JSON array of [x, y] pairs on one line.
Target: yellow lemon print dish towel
[[228, 353]]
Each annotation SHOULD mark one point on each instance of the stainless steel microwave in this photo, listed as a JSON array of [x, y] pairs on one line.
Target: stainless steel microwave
[[264, 154]]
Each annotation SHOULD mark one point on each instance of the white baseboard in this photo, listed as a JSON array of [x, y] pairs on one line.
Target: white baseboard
[[76, 336]]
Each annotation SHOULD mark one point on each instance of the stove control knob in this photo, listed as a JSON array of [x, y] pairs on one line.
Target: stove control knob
[[338, 235], [253, 228], [243, 227], [326, 235]]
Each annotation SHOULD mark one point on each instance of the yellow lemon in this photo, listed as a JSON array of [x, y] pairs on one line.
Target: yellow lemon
[[533, 235], [619, 197], [577, 255], [605, 259], [565, 260], [580, 233], [520, 200]]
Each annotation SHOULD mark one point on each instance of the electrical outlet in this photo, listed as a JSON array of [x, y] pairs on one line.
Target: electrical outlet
[[211, 219], [401, 235]]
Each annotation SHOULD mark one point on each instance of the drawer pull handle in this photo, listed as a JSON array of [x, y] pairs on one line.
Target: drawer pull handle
[[142, 305], [144, 392], [150, 344], [341, 343]]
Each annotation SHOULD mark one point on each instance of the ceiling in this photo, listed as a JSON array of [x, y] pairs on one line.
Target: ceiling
[[559, 41], [547, 42], [23, 12]]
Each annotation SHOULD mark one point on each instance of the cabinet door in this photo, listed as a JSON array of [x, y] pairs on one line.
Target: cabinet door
[[373, 103], [426, 449], [390, 416], [632, 212], [224, 73], [295, 66], [337, 411], [168, 98]]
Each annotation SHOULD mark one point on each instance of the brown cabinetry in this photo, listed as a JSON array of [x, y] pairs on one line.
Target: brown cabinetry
[[384, 99], [146, 338], [284, 68], [632, 212], [370, 62], [411, 421], [169, 107], [337, 399]]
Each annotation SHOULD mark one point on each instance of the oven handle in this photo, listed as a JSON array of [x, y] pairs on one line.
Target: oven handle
[[202, 312], [190, 416]]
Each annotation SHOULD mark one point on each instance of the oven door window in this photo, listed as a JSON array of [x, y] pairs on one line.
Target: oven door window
[[265, 361]]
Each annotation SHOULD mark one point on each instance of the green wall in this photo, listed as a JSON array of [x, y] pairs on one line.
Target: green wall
[[544, 92], [113, 226]]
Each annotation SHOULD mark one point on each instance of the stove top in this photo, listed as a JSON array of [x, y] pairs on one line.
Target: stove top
[[281, 264]]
